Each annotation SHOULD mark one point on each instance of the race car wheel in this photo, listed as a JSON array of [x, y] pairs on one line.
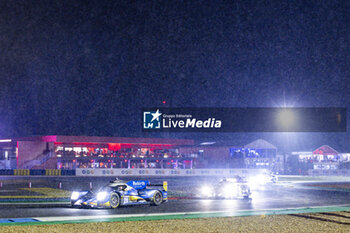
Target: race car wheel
[[157, 198], [114, 200]]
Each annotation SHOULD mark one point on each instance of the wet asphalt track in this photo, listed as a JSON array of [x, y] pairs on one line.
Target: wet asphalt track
[[273, 196]]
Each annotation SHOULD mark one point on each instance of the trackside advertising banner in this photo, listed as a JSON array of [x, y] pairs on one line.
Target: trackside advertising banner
[[167, 172], [244, 120]]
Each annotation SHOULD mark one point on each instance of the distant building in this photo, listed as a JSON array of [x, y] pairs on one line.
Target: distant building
[[257, 154], [70, 152], [322, 158]]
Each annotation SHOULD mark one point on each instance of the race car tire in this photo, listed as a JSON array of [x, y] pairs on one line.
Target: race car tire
[[114, 200], [157, 198]]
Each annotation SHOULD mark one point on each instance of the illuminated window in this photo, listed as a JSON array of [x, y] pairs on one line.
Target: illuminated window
[[59, 148], [77, 149]]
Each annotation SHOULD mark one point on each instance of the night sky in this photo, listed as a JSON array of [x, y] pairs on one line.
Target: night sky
[[88, 67]]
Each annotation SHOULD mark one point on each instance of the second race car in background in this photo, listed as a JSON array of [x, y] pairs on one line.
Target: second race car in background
[[260, 180], [235, 187]]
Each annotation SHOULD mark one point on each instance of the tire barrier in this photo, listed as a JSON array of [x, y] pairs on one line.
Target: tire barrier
[[67, 172], [6, 172], [52, 172], [37, 172], [21, 172]]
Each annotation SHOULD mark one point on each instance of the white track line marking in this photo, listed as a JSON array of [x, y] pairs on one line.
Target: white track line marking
[[228, 213]]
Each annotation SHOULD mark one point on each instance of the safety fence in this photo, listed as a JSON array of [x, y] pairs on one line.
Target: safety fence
[[36, 172]]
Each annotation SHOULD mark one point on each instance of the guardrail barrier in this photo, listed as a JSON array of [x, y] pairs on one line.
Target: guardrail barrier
[[335, 172], [131, 172], [166, 172]]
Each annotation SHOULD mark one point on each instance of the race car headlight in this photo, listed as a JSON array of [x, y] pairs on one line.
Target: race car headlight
[[101, 196], [206, 191], [74, 196]]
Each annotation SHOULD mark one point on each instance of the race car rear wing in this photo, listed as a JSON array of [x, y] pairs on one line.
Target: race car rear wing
[[165, 185]]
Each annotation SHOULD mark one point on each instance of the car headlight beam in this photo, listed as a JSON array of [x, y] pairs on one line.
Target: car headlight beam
[[258, 180], [101, 196], [228, 191], [74, 196], [206, 191]]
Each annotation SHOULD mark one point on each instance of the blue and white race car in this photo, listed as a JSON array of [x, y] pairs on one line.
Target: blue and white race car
[[118, 193]]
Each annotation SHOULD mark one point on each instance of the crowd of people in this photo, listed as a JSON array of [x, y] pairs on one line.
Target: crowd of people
[[122, 154], [123, 158]]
